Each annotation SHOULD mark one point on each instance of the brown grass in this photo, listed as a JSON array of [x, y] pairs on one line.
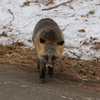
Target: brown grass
[[96, 45], [81, 73]]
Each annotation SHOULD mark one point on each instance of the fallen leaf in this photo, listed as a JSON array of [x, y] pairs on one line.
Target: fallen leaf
[[81, 30]]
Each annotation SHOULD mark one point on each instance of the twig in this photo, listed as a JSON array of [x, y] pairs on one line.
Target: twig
[[64, 28], [82, 78], [12, 15], [75, 54], [57, 5]]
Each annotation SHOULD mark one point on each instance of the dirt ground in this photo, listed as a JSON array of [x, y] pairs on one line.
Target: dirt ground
[[71, 71]]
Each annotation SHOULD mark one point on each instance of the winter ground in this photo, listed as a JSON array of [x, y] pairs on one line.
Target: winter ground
[[78, 20]]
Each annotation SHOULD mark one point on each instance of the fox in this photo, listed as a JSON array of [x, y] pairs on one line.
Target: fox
[[49, 43]]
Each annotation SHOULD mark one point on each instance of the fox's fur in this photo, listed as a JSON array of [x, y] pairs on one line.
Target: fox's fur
[[48, 40]]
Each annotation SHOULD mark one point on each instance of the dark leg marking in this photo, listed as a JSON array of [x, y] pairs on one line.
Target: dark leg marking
[[50, 72], [42, 72]]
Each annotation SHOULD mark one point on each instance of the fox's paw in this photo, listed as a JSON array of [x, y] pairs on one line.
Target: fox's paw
[[41, 81], [50, 75]]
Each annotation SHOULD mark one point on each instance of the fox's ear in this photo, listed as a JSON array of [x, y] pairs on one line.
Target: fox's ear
[[60, 43], [42, 41]]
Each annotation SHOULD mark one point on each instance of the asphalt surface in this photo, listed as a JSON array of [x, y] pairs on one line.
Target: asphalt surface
[[16, 84]]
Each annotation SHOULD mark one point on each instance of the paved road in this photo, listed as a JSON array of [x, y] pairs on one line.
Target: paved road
[[19, 85]]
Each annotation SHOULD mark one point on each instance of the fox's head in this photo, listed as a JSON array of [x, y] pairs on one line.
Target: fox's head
[[49, 58], [50, 53]]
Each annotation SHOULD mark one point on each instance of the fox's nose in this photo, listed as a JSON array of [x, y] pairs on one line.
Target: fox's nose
[[49, 66]]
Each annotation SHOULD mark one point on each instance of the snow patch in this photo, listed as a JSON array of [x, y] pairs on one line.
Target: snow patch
[[21, 19]]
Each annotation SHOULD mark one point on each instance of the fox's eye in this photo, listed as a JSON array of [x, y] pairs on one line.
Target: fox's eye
[[60, 43], [54, 57], [42, 41], [45, 57]]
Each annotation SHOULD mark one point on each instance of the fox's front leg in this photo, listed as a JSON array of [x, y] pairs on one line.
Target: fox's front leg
[[50, 72], [42, 71], [38, 65]]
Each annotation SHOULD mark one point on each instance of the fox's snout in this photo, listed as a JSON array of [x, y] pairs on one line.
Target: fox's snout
[[49, 66]]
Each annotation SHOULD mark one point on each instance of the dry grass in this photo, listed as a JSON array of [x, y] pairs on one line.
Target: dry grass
[[95, 46], [81, 73]]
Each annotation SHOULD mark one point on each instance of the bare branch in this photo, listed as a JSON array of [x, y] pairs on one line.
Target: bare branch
[[12, 15], [75, 54], [57, 5]]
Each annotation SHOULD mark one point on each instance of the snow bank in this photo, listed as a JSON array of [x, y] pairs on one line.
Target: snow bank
[[78, 20]]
